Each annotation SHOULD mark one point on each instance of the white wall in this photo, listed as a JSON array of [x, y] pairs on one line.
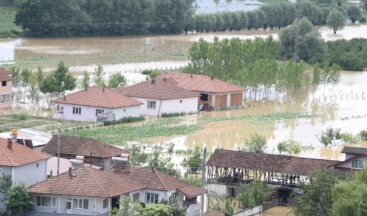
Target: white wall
[[30, 173], [89, 113], [133, 111], [95, 205], [186, 105]]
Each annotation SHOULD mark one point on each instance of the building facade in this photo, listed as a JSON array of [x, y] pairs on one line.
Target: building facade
[[6, 88]]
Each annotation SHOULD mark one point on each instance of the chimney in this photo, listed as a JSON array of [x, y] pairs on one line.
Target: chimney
[[212, 77], [192, 76], [153, 81], [64, 98], [103, 89], [10, 143], [14, 135], [70, 175]]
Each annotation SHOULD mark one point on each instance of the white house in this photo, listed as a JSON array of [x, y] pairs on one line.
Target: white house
[[86, 105], [22, 164], [355, 159], [88, 191], [161, 96]]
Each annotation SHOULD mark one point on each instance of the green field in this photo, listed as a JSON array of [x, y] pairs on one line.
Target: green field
[[7, 27]]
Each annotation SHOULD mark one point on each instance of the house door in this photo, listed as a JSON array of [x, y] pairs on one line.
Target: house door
[[68, 207]]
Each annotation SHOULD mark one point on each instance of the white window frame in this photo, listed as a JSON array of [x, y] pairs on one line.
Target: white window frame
[[136, 196], [99, 111], [357, 164], [77, 110], [105, 203], [151, 104], [80, 203], [40, 204], [152, 198], [4, 98]]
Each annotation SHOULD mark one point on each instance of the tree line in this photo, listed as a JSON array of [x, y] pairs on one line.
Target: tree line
[[47, 18], [34, 86], [254, 64]]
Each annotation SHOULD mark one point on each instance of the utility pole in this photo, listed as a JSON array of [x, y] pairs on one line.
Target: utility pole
[[203, 184], [58, 147]]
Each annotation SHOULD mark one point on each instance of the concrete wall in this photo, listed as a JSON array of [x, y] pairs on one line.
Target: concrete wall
[[95, 206], [185, 105], [249, 212], [30, 173], [217, 189]]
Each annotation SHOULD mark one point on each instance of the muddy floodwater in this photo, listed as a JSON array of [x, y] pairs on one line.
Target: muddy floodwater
[[134, 53], [277, 211]]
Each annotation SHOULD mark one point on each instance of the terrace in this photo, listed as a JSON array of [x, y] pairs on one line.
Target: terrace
[[232, 168]]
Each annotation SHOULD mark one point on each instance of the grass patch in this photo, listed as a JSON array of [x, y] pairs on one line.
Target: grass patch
[[7, 27], [265, 118], [121, 134]]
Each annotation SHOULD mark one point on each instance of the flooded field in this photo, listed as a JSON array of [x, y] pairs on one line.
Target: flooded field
[[133, 53]]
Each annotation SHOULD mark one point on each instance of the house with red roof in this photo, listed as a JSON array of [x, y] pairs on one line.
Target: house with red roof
[[87, 104], [22, 164], [214, 93], [5, 88], [161, 96], [88, 191]]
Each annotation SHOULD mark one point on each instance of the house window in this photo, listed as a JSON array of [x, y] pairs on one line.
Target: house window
[[357, 164], [77, 110], [105, 203], [152, 198], [151, 104], [3, 83], [43, 201], [80, 203], [174, 195], [5, 98], [99, 111], [136, 196]]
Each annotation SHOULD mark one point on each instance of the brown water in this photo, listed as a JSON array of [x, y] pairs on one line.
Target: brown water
[[161, 51], [278, 211]]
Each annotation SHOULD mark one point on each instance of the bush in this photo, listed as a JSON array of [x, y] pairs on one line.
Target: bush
[[363, 20], [363, 135], [124, 120], [166, 115]]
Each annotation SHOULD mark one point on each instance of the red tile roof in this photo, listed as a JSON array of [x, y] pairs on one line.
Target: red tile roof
[[266, 162], [4, 75], [201, 83], [98, 97], [154, 179], [18, 155], [86, 182], [82, 146], [98, 183], [158, 89]]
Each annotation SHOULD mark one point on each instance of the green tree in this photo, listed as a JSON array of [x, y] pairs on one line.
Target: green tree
[[317, 199], [129, 207], [350, 196], [5, 184], [58, 81], [252, 194], [162, 163], [364, 4], [84, 83], [222, 204], [194, 162], [18, 199], [335, 20], [156, 209], [256, 144], [310, 42], [354, 13], [117, 80], [99, 76]]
